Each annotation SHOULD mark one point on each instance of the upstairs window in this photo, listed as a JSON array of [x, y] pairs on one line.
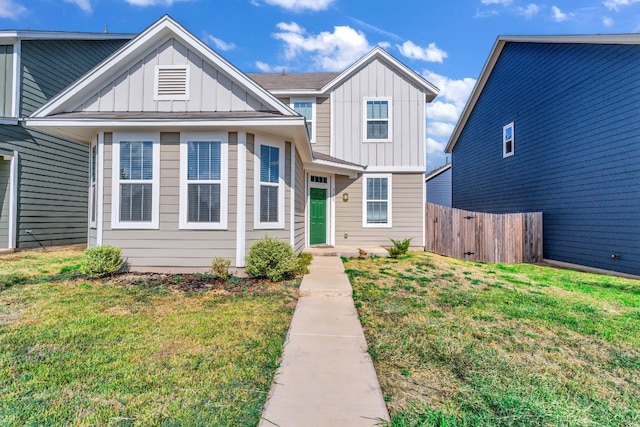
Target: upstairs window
[[172, 83], [508, 140], [306, 107], [203, 181], [377, 119]]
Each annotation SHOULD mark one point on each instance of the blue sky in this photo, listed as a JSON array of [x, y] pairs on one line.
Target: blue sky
[[445, 41]]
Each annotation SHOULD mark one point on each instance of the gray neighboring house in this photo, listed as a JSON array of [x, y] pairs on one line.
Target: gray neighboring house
[[194, 159], [43, 178], [439, 185]]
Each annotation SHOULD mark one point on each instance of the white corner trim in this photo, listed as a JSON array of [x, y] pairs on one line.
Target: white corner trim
[[424, 211], [332, 217], [389, 223], [154, 224], [389, 118], [93, 224], [13, 201], [272, 142], [241, 220], [100, 184], [15, 103], [185, 138], [292, 196]]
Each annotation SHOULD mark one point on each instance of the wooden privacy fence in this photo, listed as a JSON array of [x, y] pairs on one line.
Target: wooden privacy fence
[[484, 237]]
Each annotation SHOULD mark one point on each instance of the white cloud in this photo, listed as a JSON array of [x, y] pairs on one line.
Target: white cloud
[[530, 11], [607, 22], [440, 129], [384, 45], [301, 5], [85, 5], [327, 51], [264, 67], [220, 44], [558, 15], [431, 53], [502, 2], [153, 2], [10, 9], [434, 147], [615, 4]]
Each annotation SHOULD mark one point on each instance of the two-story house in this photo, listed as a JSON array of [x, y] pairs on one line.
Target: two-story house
[[43, 178], [194, 159]]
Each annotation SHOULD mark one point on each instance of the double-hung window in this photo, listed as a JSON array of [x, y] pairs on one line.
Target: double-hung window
[[136, 181], [376, 200], [306, 107], [203, 181], [269, 179], [508, 140], [377, 119], [93, 178]]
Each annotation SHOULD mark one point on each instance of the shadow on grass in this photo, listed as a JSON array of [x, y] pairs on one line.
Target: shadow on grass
[[66, 273]]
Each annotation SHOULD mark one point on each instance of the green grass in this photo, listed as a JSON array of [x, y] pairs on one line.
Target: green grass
[[76, 352], [458, 343]]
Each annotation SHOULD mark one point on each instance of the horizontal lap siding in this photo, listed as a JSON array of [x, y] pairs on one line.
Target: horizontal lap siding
[[52, 187], [299, 205], [439, 189], [49, 66], [170, 248], [407, 218], [576, 149]]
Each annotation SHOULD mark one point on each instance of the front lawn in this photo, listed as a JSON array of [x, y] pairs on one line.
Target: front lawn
[[458, 343], [134, 350]]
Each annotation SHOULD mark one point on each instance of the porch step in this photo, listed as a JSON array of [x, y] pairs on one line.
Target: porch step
[[347, 251]]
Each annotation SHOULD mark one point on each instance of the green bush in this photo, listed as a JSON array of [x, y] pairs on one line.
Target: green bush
[[220, 268], [399, 247], [304, 260], [271, 258], [101, 261]]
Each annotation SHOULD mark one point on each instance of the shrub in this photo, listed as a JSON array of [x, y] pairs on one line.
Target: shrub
[[101, 261], [304, 260], [399, 247], [271, 258], [220, 268]]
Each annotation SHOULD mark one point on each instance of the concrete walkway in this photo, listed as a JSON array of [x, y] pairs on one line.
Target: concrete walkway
[[326, 377]]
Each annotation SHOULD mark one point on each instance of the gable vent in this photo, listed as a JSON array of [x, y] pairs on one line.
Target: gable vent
[[172, 82]]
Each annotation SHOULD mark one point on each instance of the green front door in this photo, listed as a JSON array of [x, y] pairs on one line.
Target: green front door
[[318, 216]]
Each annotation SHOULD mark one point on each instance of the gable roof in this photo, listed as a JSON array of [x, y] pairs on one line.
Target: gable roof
[[161, 29], [295, 81], [499, 45]]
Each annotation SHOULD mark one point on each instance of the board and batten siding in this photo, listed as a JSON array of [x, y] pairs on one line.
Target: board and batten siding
[[6, 80], [52, 187], [407, 217], [439, 189], [5, 202], [49, 66], [209, 88], [576, 149], [170, 248], [379, 79]]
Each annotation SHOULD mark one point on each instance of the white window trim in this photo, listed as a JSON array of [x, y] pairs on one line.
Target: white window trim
[[93, 185], [154, 224], [292, 101], [257, 224], [506, 154], [158, 97], [389, 223], [185, 137], [389, 119]]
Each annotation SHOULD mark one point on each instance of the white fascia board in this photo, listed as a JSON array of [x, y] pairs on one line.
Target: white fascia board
[[297, 92], [163, 28], [323, 166], [135, 123], [377, 51], [61, 35], [395, 169]]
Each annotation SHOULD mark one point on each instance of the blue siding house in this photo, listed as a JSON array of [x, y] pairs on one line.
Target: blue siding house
[[439, 185], [553, 125]]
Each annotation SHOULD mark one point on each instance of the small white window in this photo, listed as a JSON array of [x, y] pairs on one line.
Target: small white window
[[93, 193], [203, 181], [136, 181], [377, 120], [376, 206], [508, 140], [269, 188], [172, 82], [306, 107]]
